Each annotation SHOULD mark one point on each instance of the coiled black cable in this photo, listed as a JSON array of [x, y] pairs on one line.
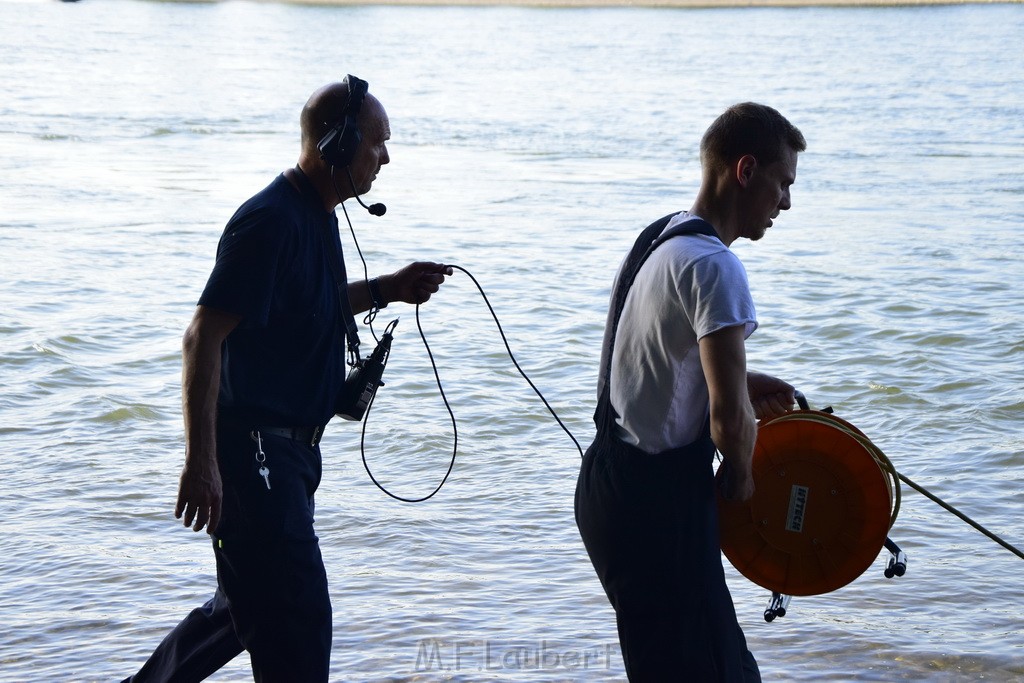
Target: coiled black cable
[[444, 398], [368, 320]]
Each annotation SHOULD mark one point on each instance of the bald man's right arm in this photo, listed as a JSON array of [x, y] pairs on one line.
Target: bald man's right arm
[[199, 491]]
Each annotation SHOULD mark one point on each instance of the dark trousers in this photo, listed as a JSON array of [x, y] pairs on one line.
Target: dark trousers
[[271, 598], [650, 526]]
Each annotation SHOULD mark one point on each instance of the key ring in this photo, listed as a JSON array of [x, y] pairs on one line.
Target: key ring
[[261, 457]]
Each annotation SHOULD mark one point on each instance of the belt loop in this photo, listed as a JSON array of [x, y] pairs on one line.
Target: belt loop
[[317, 432]]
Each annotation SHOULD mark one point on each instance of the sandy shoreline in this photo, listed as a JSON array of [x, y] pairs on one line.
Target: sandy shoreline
[[656, 3]]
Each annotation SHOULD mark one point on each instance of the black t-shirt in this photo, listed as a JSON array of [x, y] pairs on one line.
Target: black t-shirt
[[284, 365]]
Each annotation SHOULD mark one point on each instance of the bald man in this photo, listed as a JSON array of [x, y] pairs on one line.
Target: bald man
[[263, 372]]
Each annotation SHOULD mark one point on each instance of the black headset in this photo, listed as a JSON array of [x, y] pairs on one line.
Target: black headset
[[338, 146]]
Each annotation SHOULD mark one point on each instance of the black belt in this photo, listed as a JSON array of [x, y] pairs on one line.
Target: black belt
[[310, 435]]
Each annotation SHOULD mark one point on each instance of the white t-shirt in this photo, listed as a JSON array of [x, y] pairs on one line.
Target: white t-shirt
[[690, 286]]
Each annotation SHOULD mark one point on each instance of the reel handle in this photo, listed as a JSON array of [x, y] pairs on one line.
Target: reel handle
[[801, 400]]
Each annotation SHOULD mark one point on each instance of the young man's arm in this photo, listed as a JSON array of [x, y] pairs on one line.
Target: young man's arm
[[733, 425]]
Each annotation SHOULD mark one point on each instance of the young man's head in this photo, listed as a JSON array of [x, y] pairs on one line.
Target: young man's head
[[749, 128], [748, 156]]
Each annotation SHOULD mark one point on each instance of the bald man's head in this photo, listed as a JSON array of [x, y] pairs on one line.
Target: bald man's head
[[325, 109], [322, 111]]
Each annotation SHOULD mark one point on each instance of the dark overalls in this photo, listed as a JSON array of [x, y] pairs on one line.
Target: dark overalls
[[650, 525]]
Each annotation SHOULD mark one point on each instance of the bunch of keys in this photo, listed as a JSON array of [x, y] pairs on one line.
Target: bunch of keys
[[261, 458]]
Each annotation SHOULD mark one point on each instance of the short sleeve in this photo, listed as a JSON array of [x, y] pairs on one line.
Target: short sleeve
[[243, 277], [720, 295]]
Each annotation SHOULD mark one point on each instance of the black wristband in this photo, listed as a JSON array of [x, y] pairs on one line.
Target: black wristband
[[378, 298]]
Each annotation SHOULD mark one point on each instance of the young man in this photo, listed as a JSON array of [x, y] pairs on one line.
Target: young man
[[673, 387], [263, 370]]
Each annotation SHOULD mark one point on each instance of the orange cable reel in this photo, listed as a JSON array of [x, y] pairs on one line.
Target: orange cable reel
[[825, 498]]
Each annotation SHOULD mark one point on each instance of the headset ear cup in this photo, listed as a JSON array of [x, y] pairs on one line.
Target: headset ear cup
[[339, 146], [348, 143]]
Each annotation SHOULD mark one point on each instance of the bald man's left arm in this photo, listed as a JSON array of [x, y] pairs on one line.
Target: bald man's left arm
[[413, 284]]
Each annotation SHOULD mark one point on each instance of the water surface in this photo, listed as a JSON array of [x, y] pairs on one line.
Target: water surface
[[530, 145]]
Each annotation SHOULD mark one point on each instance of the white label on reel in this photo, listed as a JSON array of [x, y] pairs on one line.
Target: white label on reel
[[797, 508]]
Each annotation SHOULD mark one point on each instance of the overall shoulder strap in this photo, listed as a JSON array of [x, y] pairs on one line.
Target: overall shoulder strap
[[652, 237]]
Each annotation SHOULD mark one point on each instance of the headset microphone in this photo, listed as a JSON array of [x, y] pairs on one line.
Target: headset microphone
[[374, 209]]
